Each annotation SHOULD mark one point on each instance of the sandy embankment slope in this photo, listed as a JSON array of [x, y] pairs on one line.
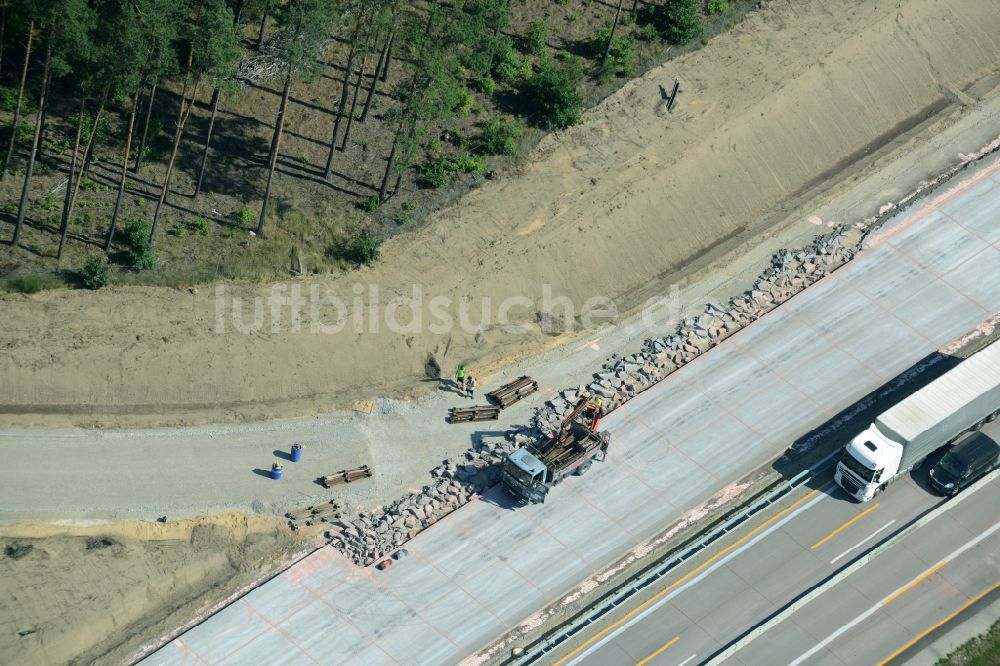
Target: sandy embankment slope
[[92, 594], [619, 206]]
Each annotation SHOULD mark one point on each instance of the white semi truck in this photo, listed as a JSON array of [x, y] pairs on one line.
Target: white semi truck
[[961, 400]]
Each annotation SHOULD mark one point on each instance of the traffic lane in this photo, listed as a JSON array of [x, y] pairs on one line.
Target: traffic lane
[[927, 576], [824, 532]]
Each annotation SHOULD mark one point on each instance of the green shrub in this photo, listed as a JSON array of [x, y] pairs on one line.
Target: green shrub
[[506, 63], [435, 172], [717, 7], [24, 133], [94, 273], [622, 54], [199, 225], [178, 230], [649, 33], [550, 96], [140, 252], [462, 103], [535, 38], [364, 248], [371, 203], [467, 164], [677, 20], [246, 216], [499, 137], [8, 100], [487, 85], [88, 185]]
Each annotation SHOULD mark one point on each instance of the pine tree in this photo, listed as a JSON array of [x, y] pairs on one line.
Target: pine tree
[[20, 99], [303, 26], [212, 52]]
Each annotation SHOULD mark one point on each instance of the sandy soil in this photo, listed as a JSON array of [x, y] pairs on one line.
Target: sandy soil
[[620, 206], [95, 594]]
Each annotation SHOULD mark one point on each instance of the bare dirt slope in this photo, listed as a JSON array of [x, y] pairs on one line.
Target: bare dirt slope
[[96, 594], [619, 206]]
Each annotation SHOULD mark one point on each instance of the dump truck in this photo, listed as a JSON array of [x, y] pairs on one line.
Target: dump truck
[[530, 472], [901, 438]]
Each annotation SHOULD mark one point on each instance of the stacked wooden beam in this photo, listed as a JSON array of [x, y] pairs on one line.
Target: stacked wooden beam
[[346, 476], [511, 392], [469, 414], [311, 515]]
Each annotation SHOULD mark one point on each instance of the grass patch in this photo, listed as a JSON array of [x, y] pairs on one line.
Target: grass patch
[[32, 284], [983, 650]]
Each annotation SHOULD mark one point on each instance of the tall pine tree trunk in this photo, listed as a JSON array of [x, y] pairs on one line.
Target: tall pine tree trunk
[[181, 119], [22, 209], [64, 223], [389, 164], [90, 145], [124, 174], [3, 30], [88, 156], [388, 58], [279, 126], [260, 35], [45, 115], [354, 102], [345, 88], [145, 129], [614, 26], [20, 98], [378, 69], [216, 95], [238, 14]]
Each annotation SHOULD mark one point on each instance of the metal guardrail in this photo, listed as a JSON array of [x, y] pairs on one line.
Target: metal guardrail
[[657, 571]]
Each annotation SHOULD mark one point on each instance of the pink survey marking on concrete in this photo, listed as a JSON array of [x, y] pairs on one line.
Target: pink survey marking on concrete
[[982, 330], [318, 561], [187, 649], [592, 344], [727, 494], [935, 203]]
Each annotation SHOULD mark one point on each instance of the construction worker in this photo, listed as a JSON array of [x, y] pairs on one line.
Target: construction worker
[[470, 386], [460, 378]]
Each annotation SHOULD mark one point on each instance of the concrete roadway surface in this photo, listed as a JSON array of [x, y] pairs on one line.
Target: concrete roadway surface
[[872, 616], [484, 570]]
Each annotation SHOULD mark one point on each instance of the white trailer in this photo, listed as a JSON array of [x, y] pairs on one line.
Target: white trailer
[[901, 438]]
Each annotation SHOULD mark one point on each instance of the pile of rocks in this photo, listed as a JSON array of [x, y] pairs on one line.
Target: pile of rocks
[[621, 379], [373, 536]]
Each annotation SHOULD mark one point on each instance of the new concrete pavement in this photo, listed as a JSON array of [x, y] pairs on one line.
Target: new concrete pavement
[[487, 568]]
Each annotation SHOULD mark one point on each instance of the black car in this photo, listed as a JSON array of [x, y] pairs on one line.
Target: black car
[[968, 460]]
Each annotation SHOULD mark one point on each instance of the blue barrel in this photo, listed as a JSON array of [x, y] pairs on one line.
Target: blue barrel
[[296, 452], [276, 471]]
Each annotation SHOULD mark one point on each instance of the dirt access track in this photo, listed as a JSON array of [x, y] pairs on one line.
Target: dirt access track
[[784, 106]]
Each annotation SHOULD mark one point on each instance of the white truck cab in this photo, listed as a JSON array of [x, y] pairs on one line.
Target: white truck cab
[[869, 460]]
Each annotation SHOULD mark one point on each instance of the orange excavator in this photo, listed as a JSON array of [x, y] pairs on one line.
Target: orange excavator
[[530, 472]]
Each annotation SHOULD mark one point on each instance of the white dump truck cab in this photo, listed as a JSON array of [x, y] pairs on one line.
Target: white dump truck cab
[[525, 476], [868, 462]]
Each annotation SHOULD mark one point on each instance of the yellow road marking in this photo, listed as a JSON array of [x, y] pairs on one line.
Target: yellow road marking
[[944, 621], [844, 526], [577, 650], [903, 590], [661, 649]]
